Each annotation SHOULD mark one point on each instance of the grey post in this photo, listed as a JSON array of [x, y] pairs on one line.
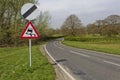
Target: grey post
[[30, 51]]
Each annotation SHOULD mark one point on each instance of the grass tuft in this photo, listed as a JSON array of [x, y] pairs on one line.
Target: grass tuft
[[14, 65]]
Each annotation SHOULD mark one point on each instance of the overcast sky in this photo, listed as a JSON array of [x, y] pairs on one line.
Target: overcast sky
[[88, 11]]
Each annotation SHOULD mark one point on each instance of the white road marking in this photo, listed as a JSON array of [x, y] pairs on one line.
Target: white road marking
[[72, 78], [79, 54], [112, 63], [60, 47], [55, 44]]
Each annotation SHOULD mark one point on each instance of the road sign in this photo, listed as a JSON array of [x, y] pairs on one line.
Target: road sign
[[29, 32], [30, 11]]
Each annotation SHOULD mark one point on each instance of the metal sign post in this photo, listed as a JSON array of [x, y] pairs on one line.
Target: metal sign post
[[30, 51], [30, 33], [30, 12]]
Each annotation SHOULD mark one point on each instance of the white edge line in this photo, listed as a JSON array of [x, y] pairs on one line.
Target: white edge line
[[59, 64], [112, 63]]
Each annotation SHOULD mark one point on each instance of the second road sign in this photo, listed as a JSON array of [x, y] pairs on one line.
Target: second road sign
[[30, 11]]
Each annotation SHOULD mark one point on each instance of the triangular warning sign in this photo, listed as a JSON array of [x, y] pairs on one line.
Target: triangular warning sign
[[29, 32]]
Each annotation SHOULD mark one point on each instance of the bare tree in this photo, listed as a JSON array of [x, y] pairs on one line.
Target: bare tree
[[110, 26], [92, 29], [71, 25], [43, 24], [112, 19]]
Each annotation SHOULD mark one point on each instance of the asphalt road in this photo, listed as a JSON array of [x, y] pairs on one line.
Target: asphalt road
[[84, 64]]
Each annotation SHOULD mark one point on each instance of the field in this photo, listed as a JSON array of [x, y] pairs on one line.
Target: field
[[14, 65], [107, 45]]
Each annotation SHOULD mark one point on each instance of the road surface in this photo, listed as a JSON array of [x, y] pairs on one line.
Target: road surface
[[82, 64]]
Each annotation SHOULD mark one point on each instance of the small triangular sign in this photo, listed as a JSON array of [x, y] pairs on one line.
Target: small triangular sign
[[29, 32]]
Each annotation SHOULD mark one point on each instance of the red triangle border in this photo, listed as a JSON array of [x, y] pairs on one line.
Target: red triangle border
[[29, 23]]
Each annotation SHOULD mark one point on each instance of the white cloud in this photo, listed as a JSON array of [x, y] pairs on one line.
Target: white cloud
[[53, 5], [64, 5], [91, 9]]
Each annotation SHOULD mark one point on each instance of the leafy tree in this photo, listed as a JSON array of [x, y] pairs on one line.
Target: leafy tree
[[10, 21]]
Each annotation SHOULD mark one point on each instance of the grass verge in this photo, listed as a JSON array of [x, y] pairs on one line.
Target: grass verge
[[14, 65], [112, 48]]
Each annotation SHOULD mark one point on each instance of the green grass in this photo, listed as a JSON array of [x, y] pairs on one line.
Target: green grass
[[93, 39], [112, 48], [14, 65]]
